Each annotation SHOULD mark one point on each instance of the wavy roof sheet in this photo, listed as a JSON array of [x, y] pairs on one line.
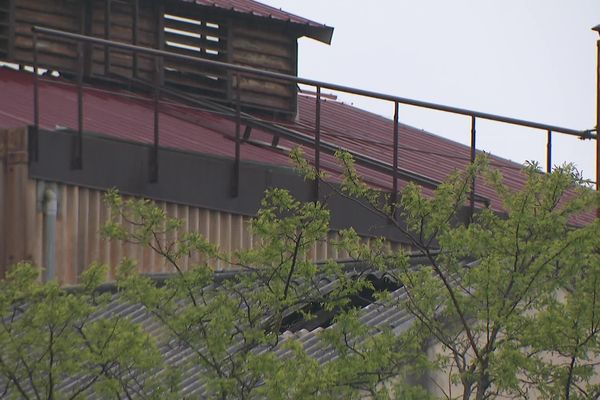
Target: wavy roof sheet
[[128, 116]]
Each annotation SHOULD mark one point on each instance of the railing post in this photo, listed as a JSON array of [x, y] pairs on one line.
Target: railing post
[[549, 152], [154, 154], [34, 145], [317, 143], [107, 35], [135, 35], [77, 151], [473, 155], [598, 117], [235, 186], [394, 197]]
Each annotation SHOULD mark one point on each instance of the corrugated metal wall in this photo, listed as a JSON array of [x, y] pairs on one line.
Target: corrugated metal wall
[[81, 215]]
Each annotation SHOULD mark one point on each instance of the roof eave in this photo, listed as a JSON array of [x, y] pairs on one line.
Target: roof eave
[[322, 34]]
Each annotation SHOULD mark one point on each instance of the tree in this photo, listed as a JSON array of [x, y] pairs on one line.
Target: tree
[[521, 318], [49, 335], [508, 301], [234, 327]]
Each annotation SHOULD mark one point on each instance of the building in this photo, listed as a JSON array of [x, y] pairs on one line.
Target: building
[[204, 139]]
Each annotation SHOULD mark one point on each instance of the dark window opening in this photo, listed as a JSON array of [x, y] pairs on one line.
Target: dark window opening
[[322, 318]]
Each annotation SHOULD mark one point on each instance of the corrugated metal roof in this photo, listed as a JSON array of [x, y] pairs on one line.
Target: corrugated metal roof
[[128, 116], [378, 316], [250, 7]]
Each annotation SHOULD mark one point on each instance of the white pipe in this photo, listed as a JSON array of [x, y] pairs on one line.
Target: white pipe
[[50, 210]]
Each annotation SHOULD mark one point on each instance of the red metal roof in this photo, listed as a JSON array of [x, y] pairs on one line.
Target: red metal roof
[[312, 29], [127, 116]]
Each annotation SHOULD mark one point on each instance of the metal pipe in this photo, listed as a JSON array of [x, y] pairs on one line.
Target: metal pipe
[[154, 156], [317, 143], [597, 29], [77, 154], [36, 102], [549, 152], [473, 155], [50, 211], [238, 126], [107, 13], [135, 34], [394, 197], [311, 82]]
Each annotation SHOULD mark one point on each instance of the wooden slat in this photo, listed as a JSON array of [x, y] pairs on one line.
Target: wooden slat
[[261, 33], [195, 41], [262, 61], [51, 61], [145, 38], [193, 53], [196, 28], [187, 84], [124, 34], [146, 21], [65, 23], [69, 7], [123, 59], [193, 70], [46, 47], [262, 46], [266, 87], [266, 101]]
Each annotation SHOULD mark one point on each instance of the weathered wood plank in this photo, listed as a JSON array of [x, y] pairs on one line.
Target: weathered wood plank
[[259, 32], [266, 87], [262, 46], [266, 101], [62, 22], [262, 61]]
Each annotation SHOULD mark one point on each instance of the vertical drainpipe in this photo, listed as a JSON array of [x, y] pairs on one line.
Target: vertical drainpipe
[[50, 210]]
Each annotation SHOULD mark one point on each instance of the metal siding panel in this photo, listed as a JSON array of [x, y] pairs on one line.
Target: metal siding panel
[[83, 242], [33, 219]]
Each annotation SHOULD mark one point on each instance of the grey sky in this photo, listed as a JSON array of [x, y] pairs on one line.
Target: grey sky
[[530, 59]]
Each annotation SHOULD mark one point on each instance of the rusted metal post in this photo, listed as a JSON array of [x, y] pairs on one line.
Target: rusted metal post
[[394, 197], [36, 103], [107, 35], [317, 143], [235, 187], [77, 153], [135, 35], [473, 155], [597, 29], [154, 154], [549, 152]]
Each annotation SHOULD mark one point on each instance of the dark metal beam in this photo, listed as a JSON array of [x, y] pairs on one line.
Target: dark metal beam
[[156, 143], [107, 29], [473, 155], [549, 152], [597, 29], [34, 145], [394, 197], [235, 185], [317, 143], [77, 154]]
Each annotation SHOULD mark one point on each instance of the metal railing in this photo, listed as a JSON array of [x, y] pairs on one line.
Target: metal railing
[[316, 142]]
